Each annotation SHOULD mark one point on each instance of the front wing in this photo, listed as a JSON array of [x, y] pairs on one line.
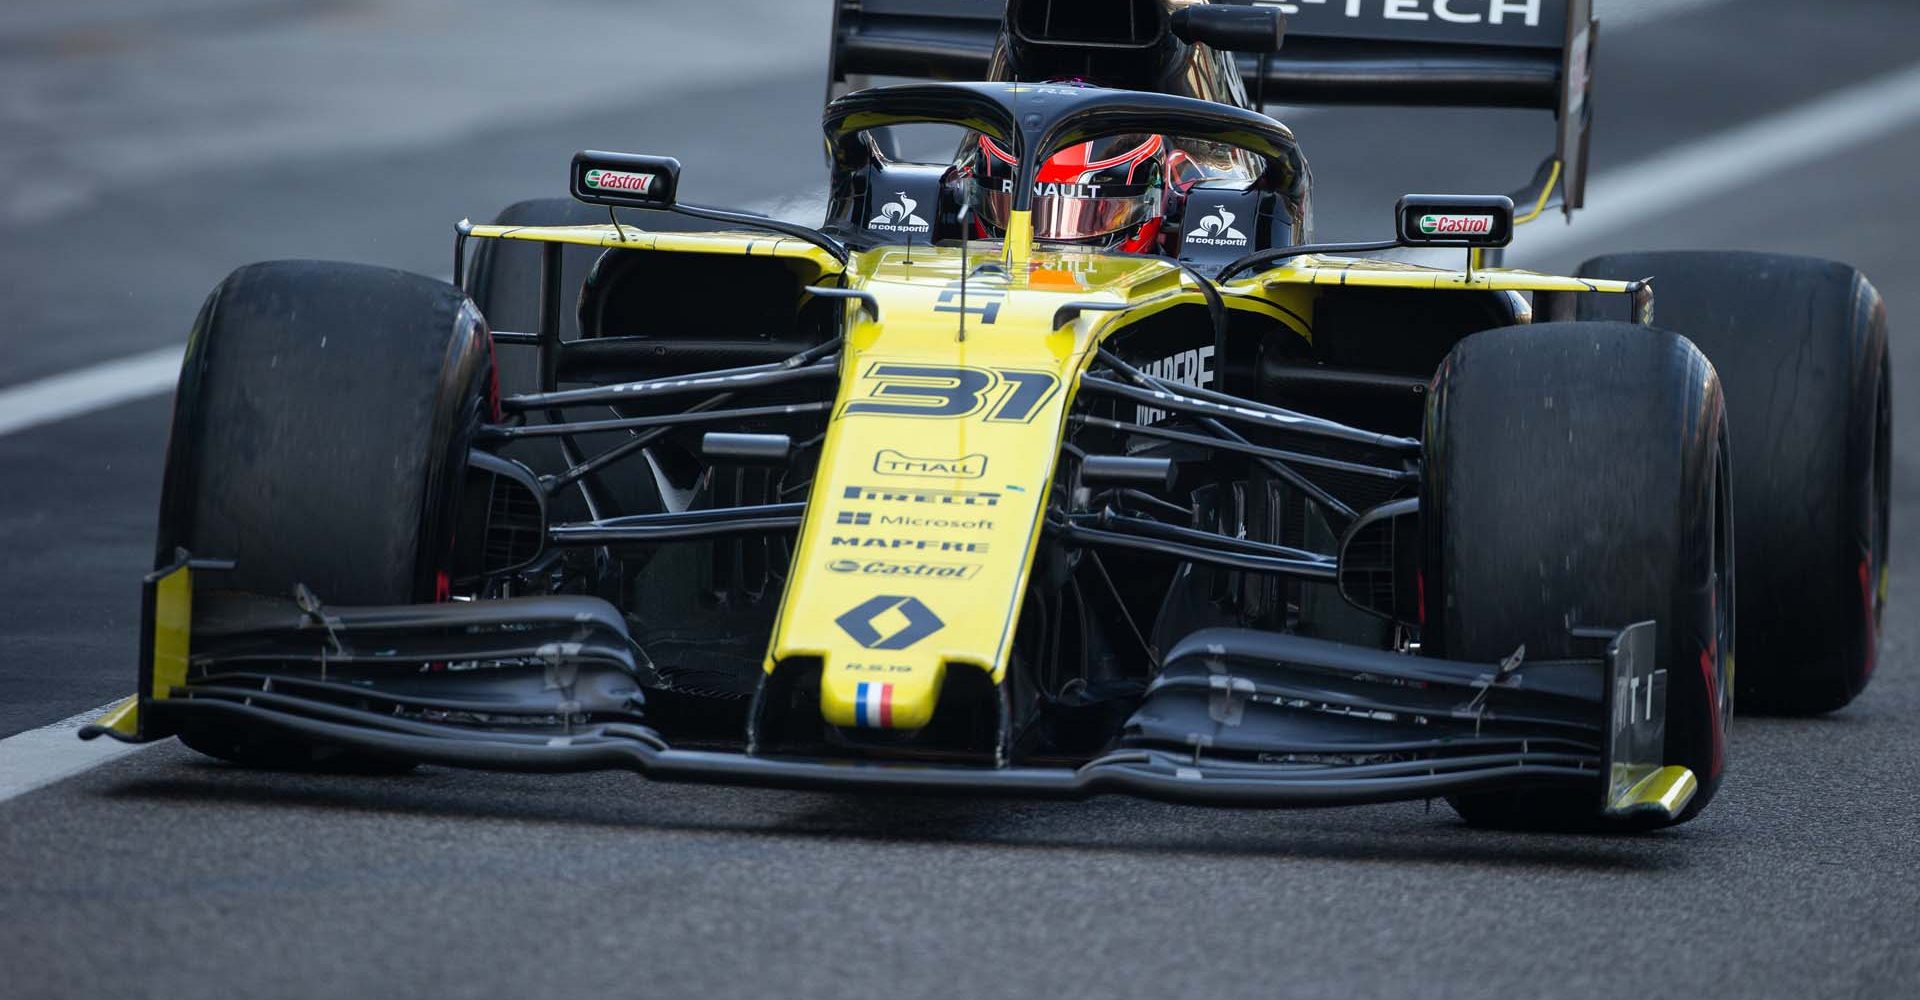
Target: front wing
[[1235, 717]]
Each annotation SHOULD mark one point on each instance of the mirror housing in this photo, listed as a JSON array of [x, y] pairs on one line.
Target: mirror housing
[[628, 180], [1454, 220], [1258, 30]]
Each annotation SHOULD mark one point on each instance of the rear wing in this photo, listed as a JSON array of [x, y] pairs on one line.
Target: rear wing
[[1530, 54]]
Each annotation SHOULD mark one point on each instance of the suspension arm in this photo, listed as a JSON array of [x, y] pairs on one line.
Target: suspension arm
[[1318, 568], [502, 432], [680, 526], [733, 379]]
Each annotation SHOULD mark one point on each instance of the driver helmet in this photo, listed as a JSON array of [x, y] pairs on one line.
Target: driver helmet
[[1105, 193]]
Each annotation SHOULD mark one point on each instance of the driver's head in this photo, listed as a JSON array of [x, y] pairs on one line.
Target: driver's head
[[1104, 193]]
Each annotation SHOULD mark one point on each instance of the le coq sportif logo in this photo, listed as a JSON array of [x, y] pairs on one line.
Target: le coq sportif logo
[[897, 215], [1216, 227]]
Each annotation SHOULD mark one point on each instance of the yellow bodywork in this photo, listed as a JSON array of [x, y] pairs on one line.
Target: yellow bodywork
[[167, 650], [925, 511], [633, 238], [172, 624], [1666, 790], [123, 718]]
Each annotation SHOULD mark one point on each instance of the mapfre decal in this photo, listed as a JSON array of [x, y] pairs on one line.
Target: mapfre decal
[[1192, 367], [950, 392]]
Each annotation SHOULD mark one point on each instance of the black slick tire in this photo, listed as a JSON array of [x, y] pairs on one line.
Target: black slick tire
[[1575, 477], [1801, 348], [320, 438]]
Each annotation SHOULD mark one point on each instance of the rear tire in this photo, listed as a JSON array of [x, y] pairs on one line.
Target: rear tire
[[1801, 346], [1576, 478], [320, 438]]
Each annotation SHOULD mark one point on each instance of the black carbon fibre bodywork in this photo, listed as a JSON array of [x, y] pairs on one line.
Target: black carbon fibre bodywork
[[1237, 717]]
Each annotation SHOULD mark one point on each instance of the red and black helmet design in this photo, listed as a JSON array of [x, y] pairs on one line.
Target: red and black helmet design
[[1108, 192]]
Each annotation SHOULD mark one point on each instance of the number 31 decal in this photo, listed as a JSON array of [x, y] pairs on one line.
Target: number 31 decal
[[1010, 395]]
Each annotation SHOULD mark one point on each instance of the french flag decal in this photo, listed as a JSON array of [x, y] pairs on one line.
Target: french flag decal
[[873, 705]]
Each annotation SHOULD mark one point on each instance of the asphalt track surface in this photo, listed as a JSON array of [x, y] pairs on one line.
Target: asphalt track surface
[[136, 174]]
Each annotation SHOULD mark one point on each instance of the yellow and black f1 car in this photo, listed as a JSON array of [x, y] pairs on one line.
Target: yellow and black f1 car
[[1068, 466]]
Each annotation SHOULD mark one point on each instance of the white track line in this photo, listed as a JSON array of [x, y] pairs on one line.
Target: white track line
[[1632, 195], [40, 757], [71, 394], [1820, 129]]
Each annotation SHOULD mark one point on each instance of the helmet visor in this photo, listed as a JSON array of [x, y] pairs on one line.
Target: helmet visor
[[1092, 210]]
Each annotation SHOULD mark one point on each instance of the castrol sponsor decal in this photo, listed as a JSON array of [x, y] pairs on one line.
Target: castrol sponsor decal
[[618, 180], [1456, 225], [897, 568]]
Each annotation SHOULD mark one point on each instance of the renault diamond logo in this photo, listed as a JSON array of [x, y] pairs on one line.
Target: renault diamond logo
[[888, 622]]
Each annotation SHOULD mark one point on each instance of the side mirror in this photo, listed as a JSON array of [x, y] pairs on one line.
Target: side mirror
[[1234, 29], [1441, 220], [625, 179]]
